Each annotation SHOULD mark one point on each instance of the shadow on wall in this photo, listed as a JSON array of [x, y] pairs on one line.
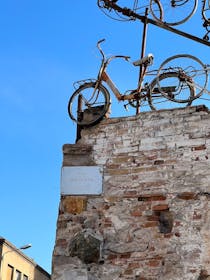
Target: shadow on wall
[[41, 274]]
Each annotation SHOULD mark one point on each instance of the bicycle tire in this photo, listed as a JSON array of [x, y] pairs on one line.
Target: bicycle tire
[[156, 10], [191, 72], [174, 15], [157, 100], [93, 107]]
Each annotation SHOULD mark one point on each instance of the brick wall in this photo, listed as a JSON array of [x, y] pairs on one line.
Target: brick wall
[[152, 220]]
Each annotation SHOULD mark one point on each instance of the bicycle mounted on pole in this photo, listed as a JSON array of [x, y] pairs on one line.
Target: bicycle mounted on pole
[[91, 101], [165, 13], [181, 79]]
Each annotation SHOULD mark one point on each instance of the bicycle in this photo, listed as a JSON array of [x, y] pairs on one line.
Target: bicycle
[[173, 12], [91, 100], [206, 18], [181, 11], [191, 71]]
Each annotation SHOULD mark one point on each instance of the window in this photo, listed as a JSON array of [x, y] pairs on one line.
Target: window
[[10, 270], [17, 275], [25, 277]]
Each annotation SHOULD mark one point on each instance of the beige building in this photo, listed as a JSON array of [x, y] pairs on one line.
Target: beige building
[[15, 265]]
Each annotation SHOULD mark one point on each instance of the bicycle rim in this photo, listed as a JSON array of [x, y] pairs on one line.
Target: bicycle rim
[[88, 106], [175, 12], [191, 72], [156, 10], [171, 83]]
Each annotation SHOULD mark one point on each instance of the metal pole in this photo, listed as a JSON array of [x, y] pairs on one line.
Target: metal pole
[[143, 47], [79, 110]]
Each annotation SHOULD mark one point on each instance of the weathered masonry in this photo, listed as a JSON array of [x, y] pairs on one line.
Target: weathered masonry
[[135, 199]]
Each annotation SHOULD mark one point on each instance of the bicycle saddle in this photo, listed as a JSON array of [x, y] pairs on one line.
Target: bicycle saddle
[[146, 60]]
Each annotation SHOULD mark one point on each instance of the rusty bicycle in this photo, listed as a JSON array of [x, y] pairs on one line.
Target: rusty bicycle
[[176, 12], [166, 12], [170, 12], [180, 83]]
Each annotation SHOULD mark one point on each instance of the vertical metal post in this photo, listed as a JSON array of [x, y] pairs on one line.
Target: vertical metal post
[[143, 47], [79, 110]]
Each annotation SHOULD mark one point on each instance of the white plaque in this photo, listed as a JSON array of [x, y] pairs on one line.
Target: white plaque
[[81, 180]]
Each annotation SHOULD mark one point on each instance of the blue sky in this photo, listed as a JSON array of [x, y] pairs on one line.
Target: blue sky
[[44, 47]]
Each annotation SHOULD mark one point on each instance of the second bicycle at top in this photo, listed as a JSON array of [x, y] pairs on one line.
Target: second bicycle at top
[[181, 79], [170, 12]]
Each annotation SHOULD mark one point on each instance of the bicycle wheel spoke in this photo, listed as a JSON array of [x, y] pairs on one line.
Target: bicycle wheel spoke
[[171, 87], [175, 12], [161, 103], [190, 72], [87, 106]]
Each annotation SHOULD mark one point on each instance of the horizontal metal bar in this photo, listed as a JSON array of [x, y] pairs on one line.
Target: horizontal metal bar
[[130, 13]]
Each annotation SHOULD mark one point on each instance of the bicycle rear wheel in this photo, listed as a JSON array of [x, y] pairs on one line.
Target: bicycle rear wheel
[[88, 106], [190, 72], [171, 83], [175, 12]]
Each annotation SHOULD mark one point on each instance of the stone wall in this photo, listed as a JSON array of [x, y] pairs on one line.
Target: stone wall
[[152, 220]]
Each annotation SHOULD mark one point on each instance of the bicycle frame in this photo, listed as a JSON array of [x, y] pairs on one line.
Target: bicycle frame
[[103, 76]]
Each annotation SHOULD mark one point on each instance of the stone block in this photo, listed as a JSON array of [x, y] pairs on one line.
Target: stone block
[[86, 245], [74, 204]]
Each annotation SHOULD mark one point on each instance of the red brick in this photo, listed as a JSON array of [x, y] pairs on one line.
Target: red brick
[[187, 195], [106, 225], [61, 243], [136, 213], [198, 148], [168, 235], [150, 197], [153, 263], [177, 223], [196, 216], [158, 162], [130, 194], [112, 257], [128, 272], [193, 270], [153, 218], [134, 265], [150, 224], [160, 207], [125, 256]]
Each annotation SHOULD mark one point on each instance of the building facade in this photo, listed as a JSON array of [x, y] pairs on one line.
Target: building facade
[[15, 265], [135, 199]]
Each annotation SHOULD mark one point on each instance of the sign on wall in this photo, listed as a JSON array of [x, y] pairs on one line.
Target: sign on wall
[[81, 180]]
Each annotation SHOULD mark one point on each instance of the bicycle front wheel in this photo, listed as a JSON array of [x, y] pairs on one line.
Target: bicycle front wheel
[[88, 104], [190, 73], [175, 12], [171, 87]]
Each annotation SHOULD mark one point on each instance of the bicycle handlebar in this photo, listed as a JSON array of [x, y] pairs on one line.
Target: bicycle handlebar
[[119, 56], [100, 41], [100, 49], [112, 57]]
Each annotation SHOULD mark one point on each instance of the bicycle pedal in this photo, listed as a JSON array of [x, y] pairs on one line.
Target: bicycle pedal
[[126, 107]]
